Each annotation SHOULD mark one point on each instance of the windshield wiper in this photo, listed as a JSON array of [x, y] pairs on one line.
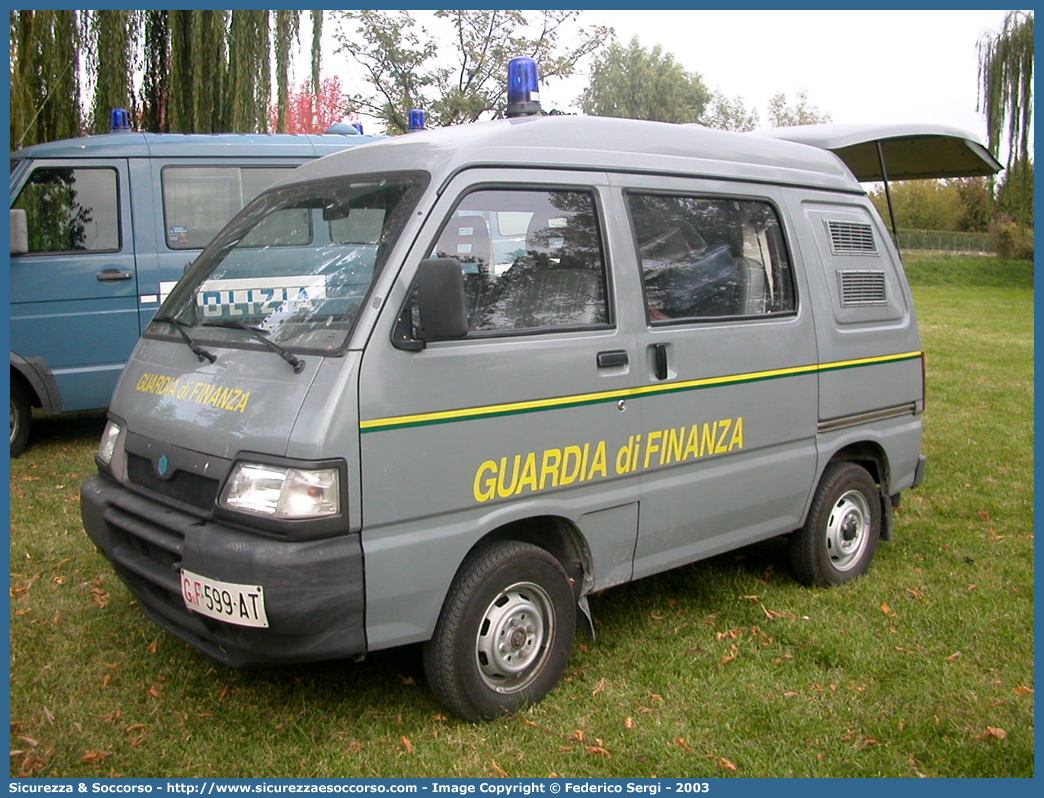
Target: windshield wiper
[[180, 326], [260, 335]]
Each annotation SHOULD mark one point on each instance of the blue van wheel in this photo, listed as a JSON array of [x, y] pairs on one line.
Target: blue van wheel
[[21, 417], [505, 634]]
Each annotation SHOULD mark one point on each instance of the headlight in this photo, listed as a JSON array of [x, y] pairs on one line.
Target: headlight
[[108, 442], [283, 492]]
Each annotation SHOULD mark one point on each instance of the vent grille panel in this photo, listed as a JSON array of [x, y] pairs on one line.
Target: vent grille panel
[[863, 287], [851, 238]]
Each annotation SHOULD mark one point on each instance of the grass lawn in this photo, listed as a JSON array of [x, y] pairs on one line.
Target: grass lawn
[[724, 668]]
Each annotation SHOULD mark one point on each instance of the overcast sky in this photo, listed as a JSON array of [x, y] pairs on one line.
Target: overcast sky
[[858, 66]]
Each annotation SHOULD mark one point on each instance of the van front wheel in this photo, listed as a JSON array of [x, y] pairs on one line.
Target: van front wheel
[[21, 417], [505, 634], [840, 536]]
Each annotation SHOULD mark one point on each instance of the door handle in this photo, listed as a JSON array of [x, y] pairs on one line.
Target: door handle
[[616, 357], [660, 361], [113, 276]]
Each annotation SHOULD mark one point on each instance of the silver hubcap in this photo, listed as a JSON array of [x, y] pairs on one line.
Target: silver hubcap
[[14, 421], [848, 530], [515, 633]]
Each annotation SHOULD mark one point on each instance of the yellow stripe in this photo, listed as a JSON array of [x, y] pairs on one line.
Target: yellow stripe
[[624, 393]]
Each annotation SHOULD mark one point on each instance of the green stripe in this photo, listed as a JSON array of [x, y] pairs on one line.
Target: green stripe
[[538, 406]]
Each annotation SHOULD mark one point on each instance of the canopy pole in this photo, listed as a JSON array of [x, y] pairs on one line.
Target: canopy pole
[[888, 193]]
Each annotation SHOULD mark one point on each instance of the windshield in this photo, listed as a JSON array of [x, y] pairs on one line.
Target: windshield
[[295, 265]]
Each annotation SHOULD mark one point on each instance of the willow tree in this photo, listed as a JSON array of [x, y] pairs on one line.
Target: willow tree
[[112, 35], [45, 76], [1006, 89]]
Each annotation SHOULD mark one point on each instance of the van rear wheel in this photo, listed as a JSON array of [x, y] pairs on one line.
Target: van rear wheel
[[21, 417], [840, 536], [505, 634]]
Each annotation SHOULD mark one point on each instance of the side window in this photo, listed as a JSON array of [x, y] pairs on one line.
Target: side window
[[199, 200], [71, 210], [531, 259], [710, 258]]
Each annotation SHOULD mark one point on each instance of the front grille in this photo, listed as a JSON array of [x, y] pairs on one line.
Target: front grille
[[183, 486]]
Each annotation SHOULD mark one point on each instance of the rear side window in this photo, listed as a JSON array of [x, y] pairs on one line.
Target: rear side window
[[71, 210], [532, 259], [710, 258], [199, 200]]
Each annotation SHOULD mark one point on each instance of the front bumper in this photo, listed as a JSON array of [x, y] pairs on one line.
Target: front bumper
[[314, 590]]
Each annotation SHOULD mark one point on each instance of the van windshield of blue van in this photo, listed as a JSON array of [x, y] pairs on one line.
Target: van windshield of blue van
[[294, 267]]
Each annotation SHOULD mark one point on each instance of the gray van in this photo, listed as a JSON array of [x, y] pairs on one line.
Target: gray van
[[441, 388]]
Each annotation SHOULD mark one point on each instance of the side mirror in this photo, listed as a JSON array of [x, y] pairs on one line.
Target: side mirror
[[19, 232], [441, 305]]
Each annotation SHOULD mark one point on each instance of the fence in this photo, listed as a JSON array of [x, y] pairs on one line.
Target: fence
[[943, 240]]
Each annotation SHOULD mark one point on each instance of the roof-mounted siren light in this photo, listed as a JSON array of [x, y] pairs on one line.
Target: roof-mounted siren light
[[417, 121], [342, 129], [358, 126], [523, 88], [119, 121]]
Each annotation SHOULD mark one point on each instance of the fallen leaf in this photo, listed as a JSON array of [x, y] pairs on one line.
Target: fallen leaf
[[578, 735], [498, 769], [113, 716], [30, 741], [680, 742], [225, 691], [50, 715], [791, 694], [628, 722], [983, 515], [154, 647], [562, 749], [956, 655], [599, 751], [406, 744], [1022, 689], [156, 691], [95, 756], [722, 762], [106, 679], [886, 609], [917, 594], [995, 733], [656, 617], [600, 687], [408, 680], [439, 718]]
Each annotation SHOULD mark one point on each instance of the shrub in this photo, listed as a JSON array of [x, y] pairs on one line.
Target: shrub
[[1009, 240]]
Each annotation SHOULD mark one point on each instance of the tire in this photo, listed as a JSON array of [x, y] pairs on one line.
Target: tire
[[21, 417], [505, 634], [840, 536]]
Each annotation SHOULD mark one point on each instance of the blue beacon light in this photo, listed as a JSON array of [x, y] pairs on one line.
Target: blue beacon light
[[119, 121], [417, 122], [523, 88]]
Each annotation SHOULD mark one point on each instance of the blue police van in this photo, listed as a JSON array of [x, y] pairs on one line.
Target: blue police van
[[102, 227]]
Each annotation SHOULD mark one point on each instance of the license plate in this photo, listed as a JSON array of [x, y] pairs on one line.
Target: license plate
[[243, 605]]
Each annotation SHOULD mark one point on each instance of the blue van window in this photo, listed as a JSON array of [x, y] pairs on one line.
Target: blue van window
[[71, 210], [710, 258], [199, 200]]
